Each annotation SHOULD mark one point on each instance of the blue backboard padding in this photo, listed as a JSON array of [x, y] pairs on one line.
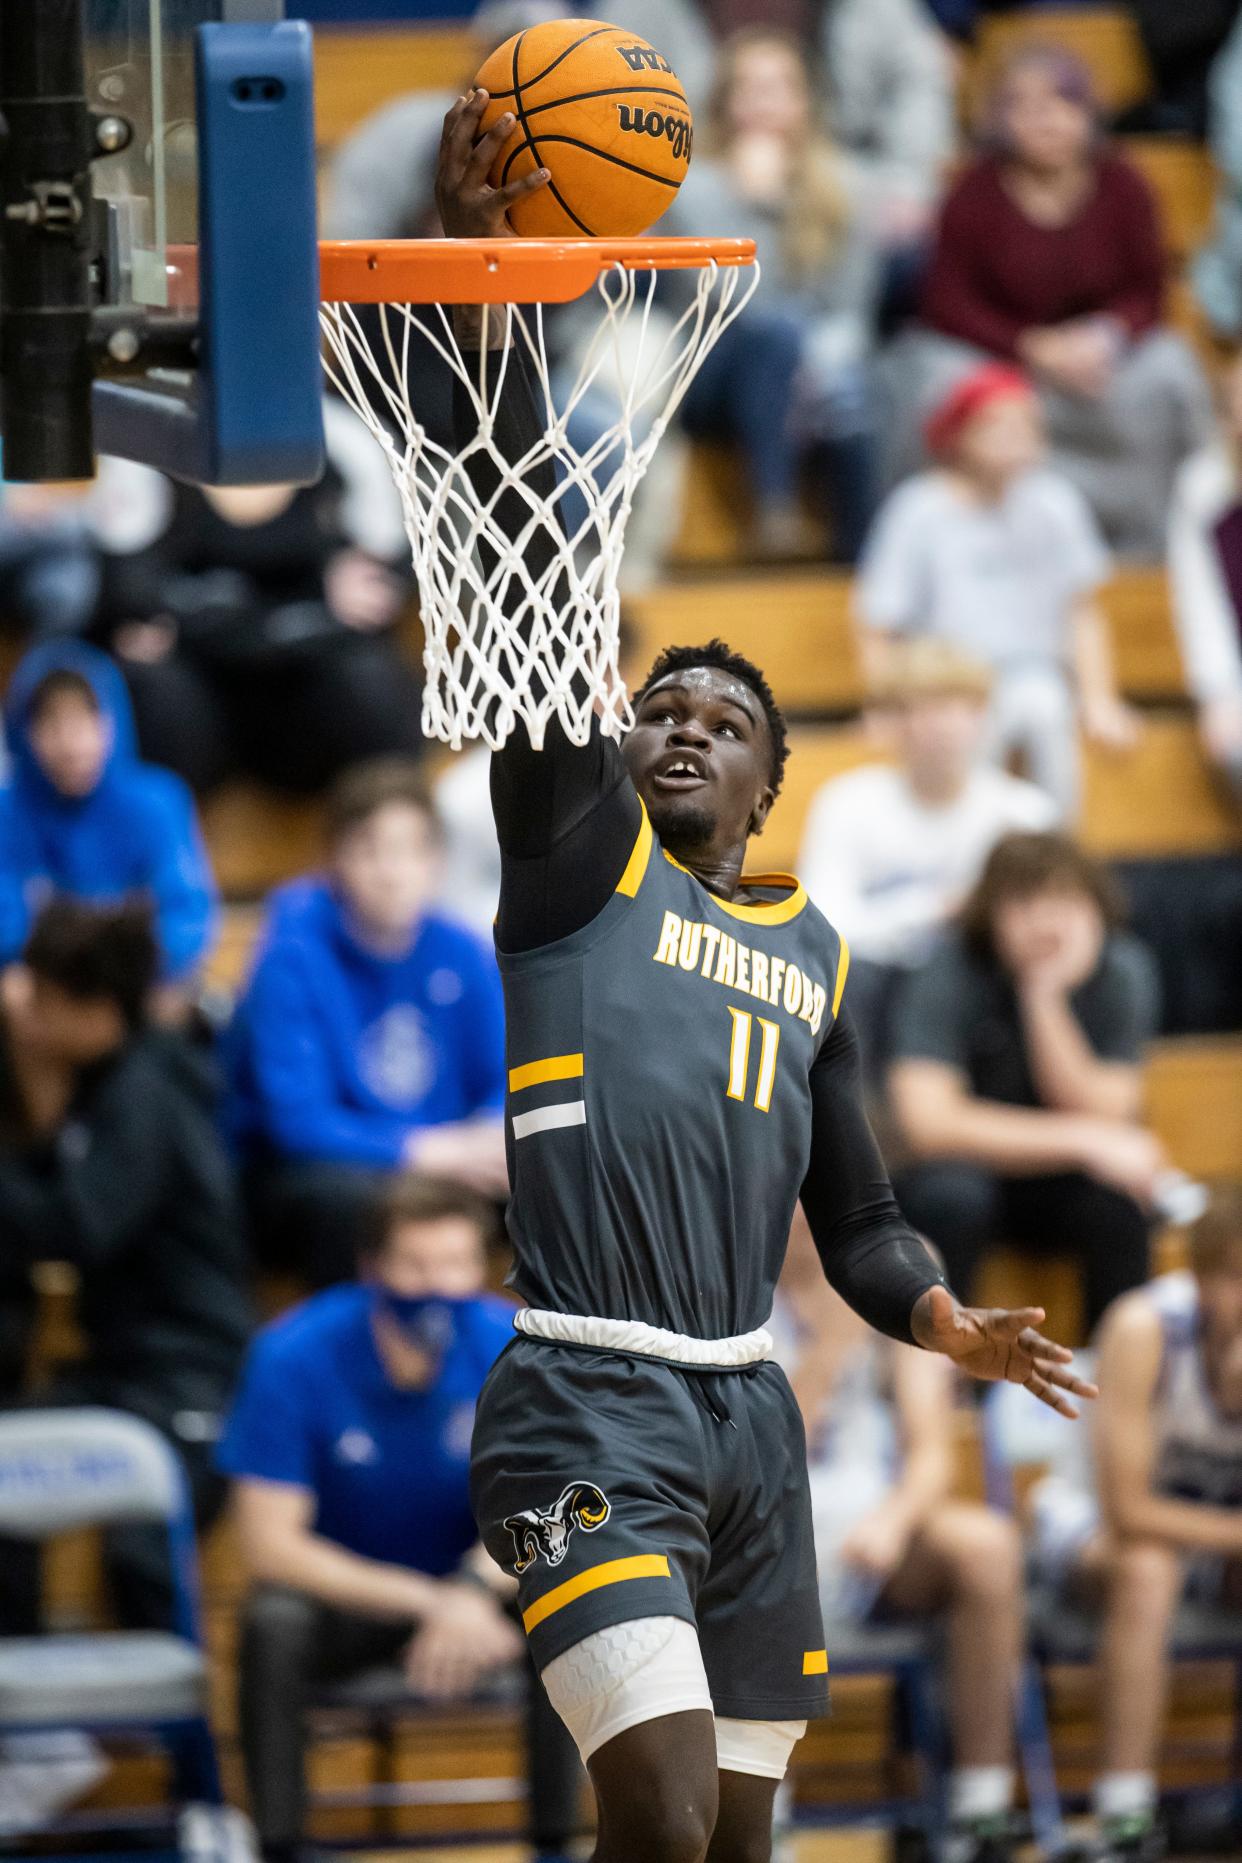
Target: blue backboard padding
[[255, 412]]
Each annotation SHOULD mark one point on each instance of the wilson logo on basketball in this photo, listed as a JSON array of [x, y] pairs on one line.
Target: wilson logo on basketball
[[677, 131], [643, 58]]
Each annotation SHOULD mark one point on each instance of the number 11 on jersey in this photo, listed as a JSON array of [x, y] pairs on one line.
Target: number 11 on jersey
[[739, 1057]]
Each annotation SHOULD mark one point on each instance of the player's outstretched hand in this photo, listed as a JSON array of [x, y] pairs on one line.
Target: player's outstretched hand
[[993, 1343], [469, 206]]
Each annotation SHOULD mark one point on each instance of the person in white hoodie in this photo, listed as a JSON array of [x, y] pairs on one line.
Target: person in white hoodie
[[1205, 577]]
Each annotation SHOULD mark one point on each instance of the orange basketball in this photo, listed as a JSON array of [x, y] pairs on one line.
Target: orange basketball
[[604, 112]]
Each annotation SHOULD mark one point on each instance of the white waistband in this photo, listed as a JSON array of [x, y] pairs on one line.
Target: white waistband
[[647, 1341]]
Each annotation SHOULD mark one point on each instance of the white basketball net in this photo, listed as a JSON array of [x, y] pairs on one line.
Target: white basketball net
[[503, 642]]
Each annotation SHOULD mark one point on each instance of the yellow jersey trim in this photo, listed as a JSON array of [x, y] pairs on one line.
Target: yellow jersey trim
[[636, 865], [612, 1572], [767, 911], [815, 1662], [843, 966], [555, 1067]]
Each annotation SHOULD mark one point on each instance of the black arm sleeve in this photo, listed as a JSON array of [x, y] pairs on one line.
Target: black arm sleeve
[[870, 1254], [567, 816]]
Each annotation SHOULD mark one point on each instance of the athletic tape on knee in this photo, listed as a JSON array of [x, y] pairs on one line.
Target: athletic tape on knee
[[626, 1674], [758, 1747]]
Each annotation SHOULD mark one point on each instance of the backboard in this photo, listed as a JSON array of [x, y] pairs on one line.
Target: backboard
[[196, 208], [139, 66]]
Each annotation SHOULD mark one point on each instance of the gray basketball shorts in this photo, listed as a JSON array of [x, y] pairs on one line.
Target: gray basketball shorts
[[617, 1487]]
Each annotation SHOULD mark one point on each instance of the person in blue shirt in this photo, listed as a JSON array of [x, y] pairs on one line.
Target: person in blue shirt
[[81, 815], [370, 1036], [348, 1448]]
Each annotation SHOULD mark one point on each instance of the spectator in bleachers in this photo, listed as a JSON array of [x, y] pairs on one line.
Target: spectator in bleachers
[[1217, 270], [789, 380], [1017, 1077], [1182, 44], [1155, 1510], [349, 1450], [81, 815], [255, 625], [471, 871], [994, 551], [1205, 577], [49, 576], [892, 104], [1049, 255], [371, 1033], [110, 1161], [889, 851], [891, 1541]]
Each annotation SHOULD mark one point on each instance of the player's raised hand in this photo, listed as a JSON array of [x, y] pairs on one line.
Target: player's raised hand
[[469, 206], [995, 1344]]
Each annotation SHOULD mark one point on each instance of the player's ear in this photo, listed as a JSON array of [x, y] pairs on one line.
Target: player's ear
[[762, 809]]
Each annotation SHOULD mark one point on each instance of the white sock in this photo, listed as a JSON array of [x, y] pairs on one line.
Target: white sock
[[1124, 1794], [979, 1792]]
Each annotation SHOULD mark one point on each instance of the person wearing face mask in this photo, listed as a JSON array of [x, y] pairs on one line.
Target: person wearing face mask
[[1017, 1082], [348, 1449], [1150, 1505], [370, 1036]]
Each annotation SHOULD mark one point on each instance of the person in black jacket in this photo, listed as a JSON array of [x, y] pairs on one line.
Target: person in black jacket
[[110, 1161], [257, 625]]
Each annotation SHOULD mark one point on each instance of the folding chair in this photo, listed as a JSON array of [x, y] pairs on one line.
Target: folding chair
[[1019, 1432], [63, 1469]]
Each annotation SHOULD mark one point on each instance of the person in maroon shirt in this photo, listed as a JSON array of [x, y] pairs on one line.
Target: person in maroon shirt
[[1049, 254]]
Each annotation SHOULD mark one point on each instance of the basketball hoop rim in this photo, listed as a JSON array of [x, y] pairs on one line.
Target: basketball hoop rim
[[503, 271]]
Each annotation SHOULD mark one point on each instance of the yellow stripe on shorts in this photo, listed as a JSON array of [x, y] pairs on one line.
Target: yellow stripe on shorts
[[555, 1067], [815, 1662], [612, 1572]]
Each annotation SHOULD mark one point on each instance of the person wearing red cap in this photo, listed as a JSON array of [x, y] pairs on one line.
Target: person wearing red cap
[[998, 554], [1049, 255]]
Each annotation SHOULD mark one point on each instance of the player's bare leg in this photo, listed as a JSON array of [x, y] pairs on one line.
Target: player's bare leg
[[743, 1831], [1143, 1582], [657, 1792], [969, 1559]]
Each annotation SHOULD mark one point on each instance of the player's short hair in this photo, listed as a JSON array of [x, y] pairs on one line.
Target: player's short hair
[[1021, 865], [1215, 1240], [366, 788], [96, 952], [63, 682], [414, 1197], [719, 654]]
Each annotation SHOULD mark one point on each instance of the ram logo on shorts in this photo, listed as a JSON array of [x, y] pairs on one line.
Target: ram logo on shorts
[[546, 1530]]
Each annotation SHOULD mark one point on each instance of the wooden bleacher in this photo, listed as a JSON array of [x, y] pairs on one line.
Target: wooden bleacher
[[360, 69], [797, 624]]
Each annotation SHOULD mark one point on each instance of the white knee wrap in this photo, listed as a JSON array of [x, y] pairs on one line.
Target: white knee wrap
[[626, 1674], [652, 1666], [758, 1747]]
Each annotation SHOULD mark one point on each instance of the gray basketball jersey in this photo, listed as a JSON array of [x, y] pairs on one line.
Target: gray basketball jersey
[[659, 1106]]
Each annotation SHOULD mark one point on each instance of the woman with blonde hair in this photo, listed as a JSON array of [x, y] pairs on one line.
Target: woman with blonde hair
[[790, 378]]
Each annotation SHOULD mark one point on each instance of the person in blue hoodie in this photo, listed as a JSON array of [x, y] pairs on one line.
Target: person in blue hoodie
[[370, 1036], [81, 815]]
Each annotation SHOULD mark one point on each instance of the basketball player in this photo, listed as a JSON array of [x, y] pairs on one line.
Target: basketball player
[[680, 1071], [1156, 1509]]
